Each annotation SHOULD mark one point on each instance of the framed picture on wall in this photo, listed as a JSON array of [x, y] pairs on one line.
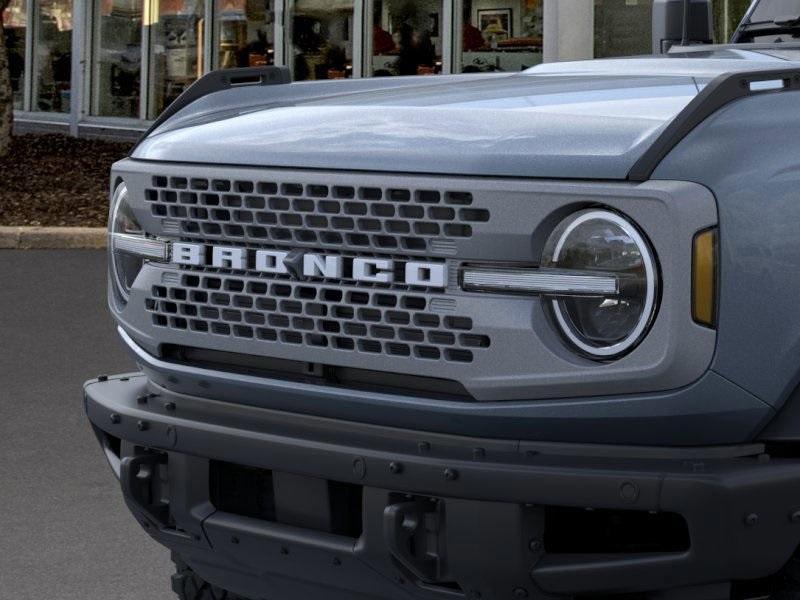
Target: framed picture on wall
[[495, 23]]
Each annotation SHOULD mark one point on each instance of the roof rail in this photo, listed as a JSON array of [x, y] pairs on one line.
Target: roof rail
[[721, 91], [217, 81]]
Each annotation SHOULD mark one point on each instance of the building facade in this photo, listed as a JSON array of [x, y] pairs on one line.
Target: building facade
[[114, 65]]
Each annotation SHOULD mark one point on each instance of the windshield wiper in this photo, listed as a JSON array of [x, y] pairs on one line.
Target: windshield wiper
[[748, 32], [788, 22], [783, 22]]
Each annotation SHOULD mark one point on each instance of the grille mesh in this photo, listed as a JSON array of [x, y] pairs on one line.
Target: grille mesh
[[384, 322], [279, 212]]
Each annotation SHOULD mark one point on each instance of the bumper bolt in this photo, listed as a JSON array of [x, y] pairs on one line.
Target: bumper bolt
[[450, 474], [114, 418], [520, 593], [337, 562], [142, 399], [170, 406], [102, 378], [478, 453], [395, 467], [284, 551], [234, 540], [142, 425], [629, 492], [424, 447], [751, 520], [360, 468], [535, 546]]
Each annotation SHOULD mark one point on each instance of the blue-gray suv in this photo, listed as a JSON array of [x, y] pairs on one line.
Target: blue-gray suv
[[486, 336]]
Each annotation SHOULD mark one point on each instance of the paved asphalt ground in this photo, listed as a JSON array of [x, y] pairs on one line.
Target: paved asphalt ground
[[65, 533]]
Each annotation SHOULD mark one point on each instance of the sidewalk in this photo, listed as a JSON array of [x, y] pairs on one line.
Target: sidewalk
[[52, 237]]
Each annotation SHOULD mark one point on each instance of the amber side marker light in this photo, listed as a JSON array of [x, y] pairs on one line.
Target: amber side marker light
[[704, 278]]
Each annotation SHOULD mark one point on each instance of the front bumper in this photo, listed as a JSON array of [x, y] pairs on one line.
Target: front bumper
[[441, 515]]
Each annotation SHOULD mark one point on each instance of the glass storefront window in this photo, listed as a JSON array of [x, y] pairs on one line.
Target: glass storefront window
[[320, 39], [52, 56], [727, 16], [406, 37], [15, 23], [245, 33], [622, 27], [117, 72], [177, 30], [501, 35]]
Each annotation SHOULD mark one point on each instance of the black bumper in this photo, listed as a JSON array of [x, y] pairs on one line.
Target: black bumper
[[440, 515]]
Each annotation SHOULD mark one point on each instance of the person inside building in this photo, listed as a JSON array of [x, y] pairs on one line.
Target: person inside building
[[472, 37], [416, 51], [382, 41]]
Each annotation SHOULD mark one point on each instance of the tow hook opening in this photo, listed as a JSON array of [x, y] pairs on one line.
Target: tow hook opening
[[112, 448], [603, 531], [412, 528], [432, 540], [305, 502], [143, 476], [437, 542]]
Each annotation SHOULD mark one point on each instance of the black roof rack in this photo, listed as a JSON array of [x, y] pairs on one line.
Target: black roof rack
[[216, 81], [720, 92]]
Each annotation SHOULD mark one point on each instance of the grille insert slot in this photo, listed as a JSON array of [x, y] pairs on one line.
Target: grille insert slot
[[315, 214], [319, 374], [391, 323]]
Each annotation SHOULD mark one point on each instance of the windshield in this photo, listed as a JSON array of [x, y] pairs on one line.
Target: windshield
[[769, 10]]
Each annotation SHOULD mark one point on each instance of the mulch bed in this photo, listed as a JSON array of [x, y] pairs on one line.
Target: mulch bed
[[56, 180]]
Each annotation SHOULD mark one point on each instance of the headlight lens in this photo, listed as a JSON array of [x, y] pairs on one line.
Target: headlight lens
[[129, 245], [592, 241]]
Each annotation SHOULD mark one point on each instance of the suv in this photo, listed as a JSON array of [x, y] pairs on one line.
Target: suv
[[528, 335]]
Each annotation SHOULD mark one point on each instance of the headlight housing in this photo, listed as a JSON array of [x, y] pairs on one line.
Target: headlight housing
[[599, 241], [130, 247]]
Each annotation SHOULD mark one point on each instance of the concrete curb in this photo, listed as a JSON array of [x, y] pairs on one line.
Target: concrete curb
[[52, 238]]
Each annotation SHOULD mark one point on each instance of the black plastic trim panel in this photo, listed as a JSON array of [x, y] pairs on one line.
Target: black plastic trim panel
[[720, 92], [217, 81], [740, 506]]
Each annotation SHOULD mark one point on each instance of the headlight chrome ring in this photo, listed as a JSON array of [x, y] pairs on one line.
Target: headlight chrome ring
[[129, 246], [621, 249]]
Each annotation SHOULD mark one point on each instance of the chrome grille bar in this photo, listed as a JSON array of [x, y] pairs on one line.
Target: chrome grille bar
[[540, 281], [140, 246]]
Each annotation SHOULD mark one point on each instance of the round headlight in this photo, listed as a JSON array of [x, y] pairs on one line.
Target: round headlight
[[600, 241], [125, 265]]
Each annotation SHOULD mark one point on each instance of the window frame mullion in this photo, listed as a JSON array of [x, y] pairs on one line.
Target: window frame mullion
[[279, 33], [81, 15], [359, 36], [27, 81], [144, 75], [210, 54], [448, 35]]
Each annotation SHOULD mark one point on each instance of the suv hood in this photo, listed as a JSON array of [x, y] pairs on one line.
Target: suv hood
[[590, 119]]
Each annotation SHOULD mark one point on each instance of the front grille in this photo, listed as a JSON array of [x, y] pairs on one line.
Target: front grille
[[388, 322], [359, 333], [283, 212]]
